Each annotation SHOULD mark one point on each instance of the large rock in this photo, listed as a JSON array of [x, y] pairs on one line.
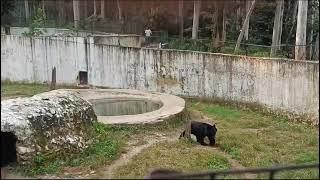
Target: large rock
[[53, 121]]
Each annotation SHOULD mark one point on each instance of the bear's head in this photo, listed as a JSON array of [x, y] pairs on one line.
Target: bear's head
[[212, 130]]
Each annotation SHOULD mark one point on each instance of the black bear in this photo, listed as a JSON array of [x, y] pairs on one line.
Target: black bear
[[202, 130]]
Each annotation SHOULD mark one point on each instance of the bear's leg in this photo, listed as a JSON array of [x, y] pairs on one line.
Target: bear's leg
[[200, 140], [212, 141]]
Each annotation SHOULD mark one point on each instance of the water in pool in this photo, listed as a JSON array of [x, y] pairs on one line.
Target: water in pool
[[111, 107]]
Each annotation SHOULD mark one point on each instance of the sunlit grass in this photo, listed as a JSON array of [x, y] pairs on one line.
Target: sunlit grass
[[181, 156], [256, 140]]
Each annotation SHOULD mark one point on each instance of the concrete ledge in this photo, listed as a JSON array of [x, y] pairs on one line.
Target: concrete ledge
[[171, 105]]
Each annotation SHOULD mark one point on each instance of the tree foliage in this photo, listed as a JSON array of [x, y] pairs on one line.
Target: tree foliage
[[6, 6], [218, 20], [38, 21]]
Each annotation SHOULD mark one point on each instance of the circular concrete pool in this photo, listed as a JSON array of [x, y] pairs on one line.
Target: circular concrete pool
[[117, 107], [126, 106]]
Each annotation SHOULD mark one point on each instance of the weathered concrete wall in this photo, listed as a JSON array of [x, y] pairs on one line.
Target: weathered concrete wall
[[277, 83], [83, 33], [32, 59], [53, 121], [119, 40], [18, 31], [3, 31]]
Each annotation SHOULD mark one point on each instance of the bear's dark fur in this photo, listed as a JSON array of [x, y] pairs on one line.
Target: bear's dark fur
[[202, 130]]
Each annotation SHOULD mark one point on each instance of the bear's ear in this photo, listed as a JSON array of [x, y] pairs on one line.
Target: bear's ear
[[215, 128]]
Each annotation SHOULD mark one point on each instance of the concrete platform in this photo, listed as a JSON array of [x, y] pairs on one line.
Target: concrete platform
[[171, 105]]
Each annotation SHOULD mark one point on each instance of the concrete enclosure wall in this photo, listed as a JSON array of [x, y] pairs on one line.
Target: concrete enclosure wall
[[277, 83], [119, 40], [126, 40], [32, 59], [50, 31]]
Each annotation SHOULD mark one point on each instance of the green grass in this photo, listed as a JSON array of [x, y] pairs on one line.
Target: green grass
[[109, 143], [15, 89], [106, 146], [181, 156], [12, 89], [251, 138], [256, 140]]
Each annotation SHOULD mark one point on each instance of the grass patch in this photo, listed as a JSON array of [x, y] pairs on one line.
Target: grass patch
[[14, 89], [252, 138], [107, 146], [109, 141], [181, 155], [258, 140]]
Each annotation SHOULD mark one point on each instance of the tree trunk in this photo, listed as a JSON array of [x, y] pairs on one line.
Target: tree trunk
[[316, 49], [85, 10], [277, 28], [219, 28], [102, 9], [294, 18], [94, 8], [294, 14], [181, 19], [43, 7], [61, 12], [244, 26], [246, 33], [238, 18], [119, 10], [196, 14], [224, 30], [215, 39], [76, 14], [311, 34], [300, 48], [26, 6]]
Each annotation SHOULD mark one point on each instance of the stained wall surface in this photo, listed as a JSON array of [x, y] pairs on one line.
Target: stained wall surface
[[277, 83]]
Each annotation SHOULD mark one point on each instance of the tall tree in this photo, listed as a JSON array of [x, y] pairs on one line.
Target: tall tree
[[26, 6], [277, 28], [316, 48], [246, 30], [85, 13], [219, 28], [102, 9], [43, 5], [238, 15], [94, 8], [76, 13], [311, 34], [7, 6], [119, 10], [181, 19], [224, 22], [300, 48], [244, 26], [62, 12], [196, 14], [294, 11]]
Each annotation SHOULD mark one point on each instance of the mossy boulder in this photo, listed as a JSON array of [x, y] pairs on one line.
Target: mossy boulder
[[55, 121]]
